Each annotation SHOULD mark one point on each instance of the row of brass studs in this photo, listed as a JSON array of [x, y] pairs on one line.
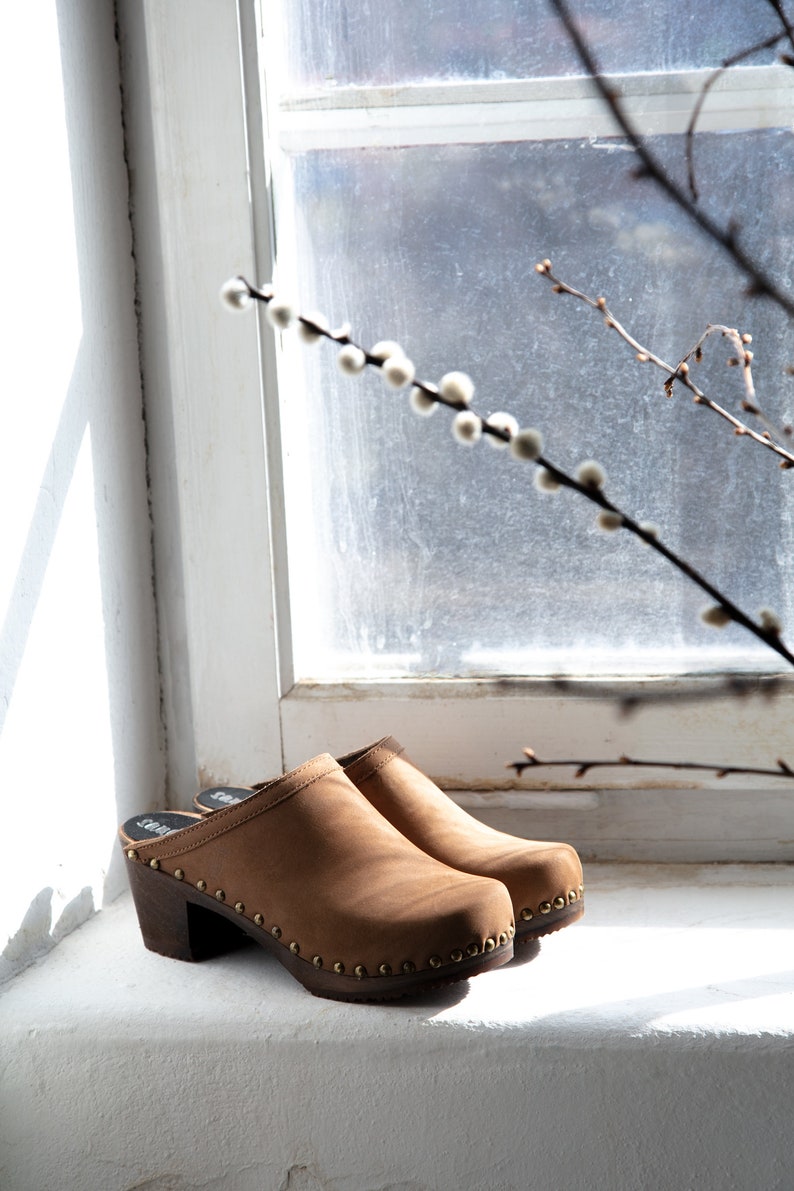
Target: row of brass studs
[[384, 969], [559, 903]]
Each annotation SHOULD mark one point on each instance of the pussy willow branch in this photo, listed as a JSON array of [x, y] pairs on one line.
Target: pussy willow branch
[[583, 767], [680, 372], [769, 636], [726, 64], [760, 283]]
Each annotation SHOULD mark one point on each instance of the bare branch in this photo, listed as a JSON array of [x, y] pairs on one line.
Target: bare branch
[[582, 768], [680, 372], [726, 64], [778, 8]]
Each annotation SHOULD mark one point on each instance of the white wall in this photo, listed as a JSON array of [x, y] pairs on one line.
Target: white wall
[[80, 739]]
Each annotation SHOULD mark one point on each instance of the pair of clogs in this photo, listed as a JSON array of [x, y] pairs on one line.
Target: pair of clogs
[[363, 878]]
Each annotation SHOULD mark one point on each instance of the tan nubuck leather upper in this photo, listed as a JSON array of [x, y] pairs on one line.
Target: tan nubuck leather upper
[[320, 868], [541, 876]]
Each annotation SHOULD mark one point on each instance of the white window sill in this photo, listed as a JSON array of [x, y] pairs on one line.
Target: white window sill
[[649, 1046]]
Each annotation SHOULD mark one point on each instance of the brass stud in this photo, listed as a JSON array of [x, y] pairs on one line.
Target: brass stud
[[179, 873], [409, 968], [360, 971], [295, 948], [435, 961], [318, 961], [201, 886], [275, 932], [239, 907], [559, 902], [220, 895], [526, 914], [339, 968], [503, 938], [581, 890], [154, 863], [472, 949], [511, 930], [259, 920], [132, 854], [572, 895], [384, 970], [456, 956], [545, 907], [489, 945]]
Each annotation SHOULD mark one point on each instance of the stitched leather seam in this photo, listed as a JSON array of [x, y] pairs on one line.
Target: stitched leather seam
[[238, 823], [375, 768]]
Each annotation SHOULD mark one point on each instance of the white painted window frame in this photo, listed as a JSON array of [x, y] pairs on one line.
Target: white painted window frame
[[202, 206]]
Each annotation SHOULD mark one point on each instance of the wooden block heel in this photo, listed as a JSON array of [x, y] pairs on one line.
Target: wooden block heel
[[173, 924]]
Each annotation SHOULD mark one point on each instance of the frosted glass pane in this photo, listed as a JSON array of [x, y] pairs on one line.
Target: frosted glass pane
[[367, 42], [416, 555]]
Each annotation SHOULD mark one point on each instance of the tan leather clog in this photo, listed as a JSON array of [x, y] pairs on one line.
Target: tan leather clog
[[544, 878], [313, 872]]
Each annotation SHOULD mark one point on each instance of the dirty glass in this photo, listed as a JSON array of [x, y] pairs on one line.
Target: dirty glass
[[414, 555], [385, 44]]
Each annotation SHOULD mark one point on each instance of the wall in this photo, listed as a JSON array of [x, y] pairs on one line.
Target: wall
[[80, 739]]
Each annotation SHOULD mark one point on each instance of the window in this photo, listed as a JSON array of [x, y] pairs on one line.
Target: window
[[425, 171], [419, 587]]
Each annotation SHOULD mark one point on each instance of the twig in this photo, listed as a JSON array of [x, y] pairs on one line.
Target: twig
[[680, 372], [760, 282], [744, 360], [583, 767], [778, 8], [587, 484], [726, 64]]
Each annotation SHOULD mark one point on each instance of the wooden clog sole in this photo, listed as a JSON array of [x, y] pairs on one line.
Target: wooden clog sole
[[178, 921]]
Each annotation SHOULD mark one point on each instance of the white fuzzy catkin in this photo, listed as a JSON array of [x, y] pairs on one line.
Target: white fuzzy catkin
[[591, 474], [280, 313], [385, 349], [501, 421], [235, 295], [649, 528], [609, 521], [467, 427], [716, 616], [457, 387], [526, 444], [351, 359], [770, 621], [545, 481], [309, 334], [398, 371], [421, 402]]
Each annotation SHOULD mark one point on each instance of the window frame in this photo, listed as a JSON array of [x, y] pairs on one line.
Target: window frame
[[232, 708]]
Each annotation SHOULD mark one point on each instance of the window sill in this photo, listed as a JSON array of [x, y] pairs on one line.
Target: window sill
[[655, 1035]]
